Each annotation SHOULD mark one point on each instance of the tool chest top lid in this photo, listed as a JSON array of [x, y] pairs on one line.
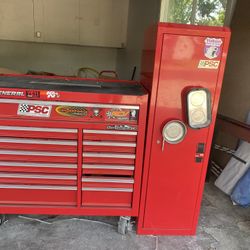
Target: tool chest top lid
[[72, 84]]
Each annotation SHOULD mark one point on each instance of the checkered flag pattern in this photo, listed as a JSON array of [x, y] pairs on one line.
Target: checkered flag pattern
[[23, 108]]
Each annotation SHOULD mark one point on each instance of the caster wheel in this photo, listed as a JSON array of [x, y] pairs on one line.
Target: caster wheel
[[2, 219], [124, 224]]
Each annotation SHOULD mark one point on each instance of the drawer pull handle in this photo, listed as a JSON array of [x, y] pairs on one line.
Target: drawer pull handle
[[108, 143], [60, 130], [129, 181], [38, 165], [115, 167], [128, 190], [40, 153], [109, 132], [34, 187], [37, 141], [31, 176], [103, 155]]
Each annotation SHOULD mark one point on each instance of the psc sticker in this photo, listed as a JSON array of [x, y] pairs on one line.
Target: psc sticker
[[34, 110], [212, 47], [73, 111], [208, 64]]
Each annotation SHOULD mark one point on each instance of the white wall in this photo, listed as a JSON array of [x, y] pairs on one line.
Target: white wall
[[142, 14], [59, 59]]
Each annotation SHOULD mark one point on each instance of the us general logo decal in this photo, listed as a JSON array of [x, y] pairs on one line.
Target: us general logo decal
[[73, 111]]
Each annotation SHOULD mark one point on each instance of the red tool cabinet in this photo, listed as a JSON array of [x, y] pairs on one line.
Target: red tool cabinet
[[71, 146], [182, 68]]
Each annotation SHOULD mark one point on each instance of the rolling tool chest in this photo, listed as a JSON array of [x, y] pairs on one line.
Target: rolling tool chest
[[71, 146]]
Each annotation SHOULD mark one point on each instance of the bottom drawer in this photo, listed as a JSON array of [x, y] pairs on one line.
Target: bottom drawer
[[37, 195], [107, 197]]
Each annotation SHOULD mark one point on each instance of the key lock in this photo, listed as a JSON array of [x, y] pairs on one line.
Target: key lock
[[173, 132]]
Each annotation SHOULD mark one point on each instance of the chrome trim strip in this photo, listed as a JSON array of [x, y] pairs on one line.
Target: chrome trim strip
[[38, 141], [38, 176], [38, 153], [39, 129], [39, 165], [34, 187], [128, 190], [76, 104], [108, 143], [104, 155], [109, 132], [107, 180], [118, 167]]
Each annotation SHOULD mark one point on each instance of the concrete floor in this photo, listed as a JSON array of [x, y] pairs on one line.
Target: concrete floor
[[221, 226]]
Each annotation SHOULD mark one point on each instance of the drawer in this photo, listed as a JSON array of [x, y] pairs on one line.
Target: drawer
[[107, 146], [107, 191], [101, 169], [37, 156], [35, 167], [38, 132], [38, 144], [109, 135], [37, 179], [37, 195]]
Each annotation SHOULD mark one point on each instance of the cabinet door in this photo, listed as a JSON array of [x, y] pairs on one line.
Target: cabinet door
[[103, 22], [57, 21], [16, 20]]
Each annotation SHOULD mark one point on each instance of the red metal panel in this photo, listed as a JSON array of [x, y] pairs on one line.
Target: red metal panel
[[173, 180], [107, 199], [36, 197]]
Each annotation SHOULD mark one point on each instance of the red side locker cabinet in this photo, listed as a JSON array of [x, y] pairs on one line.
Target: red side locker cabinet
[[182, 68]]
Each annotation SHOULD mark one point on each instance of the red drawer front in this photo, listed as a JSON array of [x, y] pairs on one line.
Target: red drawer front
[[29, 167], [42, 179], [108, 198], [108, 137], [29, 157], [37, 195], [38, 132], [107, 191], [104, 160], [40, 145], [108, 149], [101, 169]]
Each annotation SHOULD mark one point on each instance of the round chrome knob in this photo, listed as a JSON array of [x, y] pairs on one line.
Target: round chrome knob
[[174, 131]]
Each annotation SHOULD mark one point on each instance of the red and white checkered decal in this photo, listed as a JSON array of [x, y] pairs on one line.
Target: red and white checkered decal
[[34, 110]]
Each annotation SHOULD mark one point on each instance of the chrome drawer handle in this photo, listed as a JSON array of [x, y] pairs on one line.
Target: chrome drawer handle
[[38, 165], [38, 176], [108, 143], [103, 155], [38, 153], [38, 141], [115, 167], [106, 180], [109, 132], [34, 187], [127, 190], [38, 129]]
